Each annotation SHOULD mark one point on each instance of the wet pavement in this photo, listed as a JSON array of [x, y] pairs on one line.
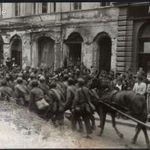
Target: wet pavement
[[20, 128]]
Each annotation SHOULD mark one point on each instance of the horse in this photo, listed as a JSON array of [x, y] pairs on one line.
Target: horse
[[126, 101]]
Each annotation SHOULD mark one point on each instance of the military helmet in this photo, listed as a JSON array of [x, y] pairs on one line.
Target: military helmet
[[42, 78], [32, 75], [19, 78], [81, 81]]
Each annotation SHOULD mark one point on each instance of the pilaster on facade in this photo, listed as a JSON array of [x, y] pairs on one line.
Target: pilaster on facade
[[124, 43]]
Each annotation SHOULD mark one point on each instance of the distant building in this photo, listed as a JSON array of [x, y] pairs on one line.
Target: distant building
[[104, 35]]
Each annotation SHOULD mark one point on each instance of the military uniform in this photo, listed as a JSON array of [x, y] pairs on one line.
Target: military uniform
[[36, 94], [56, 108], [6, 93], [82, 100], [22, 94]]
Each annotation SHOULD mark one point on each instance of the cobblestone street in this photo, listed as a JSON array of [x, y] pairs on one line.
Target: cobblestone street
[[20, 128]]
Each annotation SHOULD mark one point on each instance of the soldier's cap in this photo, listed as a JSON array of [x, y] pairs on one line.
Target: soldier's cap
[[71, 80], [77, 70], [19, 79], [7, 76], [32, 75], [65, 75], [80, 80], [69, 73], [42, 78]]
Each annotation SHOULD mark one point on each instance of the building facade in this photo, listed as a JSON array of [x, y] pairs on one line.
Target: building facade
[[103, 35], [133, 46]]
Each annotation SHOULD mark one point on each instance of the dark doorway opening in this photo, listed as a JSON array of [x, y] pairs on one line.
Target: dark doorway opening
[[144, 62], [104, 52], [74, 43], [144, 48], [16, 50], [75, 53]]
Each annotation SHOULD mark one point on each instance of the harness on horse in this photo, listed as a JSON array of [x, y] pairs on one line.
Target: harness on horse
[[109, 96]]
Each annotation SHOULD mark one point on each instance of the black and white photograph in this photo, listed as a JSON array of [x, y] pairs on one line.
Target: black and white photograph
[[75, 74]]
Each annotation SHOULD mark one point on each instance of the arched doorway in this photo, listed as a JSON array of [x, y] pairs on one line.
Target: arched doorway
[[1, 50], [45, 52], [74, 43], [16, 49], [144, 47], [103, 42]]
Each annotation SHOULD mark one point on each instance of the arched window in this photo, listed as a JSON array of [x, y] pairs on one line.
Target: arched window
[[144, 39], [77, 5], [144, 47], [74, 44], [16, 49], [44, 8], [103, 54]]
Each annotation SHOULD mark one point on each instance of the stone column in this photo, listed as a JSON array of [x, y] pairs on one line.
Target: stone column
[[57, 54], [6, 48], [34, 52], [65, 53], [113, 53], [6, 51], [87, 54], [124, 44], [95, 61]]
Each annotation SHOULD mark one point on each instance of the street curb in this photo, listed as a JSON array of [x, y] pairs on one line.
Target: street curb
[[121, 123], [118, 122]]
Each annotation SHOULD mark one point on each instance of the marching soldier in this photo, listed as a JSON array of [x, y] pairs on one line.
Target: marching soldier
[[36, 95], [6, 93], [21, 92], [82, 104], [75, 117]]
